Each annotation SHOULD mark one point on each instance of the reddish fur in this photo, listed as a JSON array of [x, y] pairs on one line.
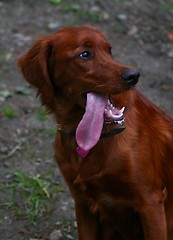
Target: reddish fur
[[123, 189]]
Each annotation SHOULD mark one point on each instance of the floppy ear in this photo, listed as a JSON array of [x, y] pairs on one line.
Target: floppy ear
[[34, 66]]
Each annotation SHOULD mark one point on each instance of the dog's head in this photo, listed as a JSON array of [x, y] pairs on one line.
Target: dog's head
[[74, 67], [73, 62]]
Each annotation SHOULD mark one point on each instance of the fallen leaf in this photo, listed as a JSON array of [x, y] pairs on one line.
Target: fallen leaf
[[22, 90], [132, 31], [170, 36], [5, 94]]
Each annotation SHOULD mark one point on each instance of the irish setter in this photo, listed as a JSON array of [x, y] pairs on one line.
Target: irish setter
[[113, 146]]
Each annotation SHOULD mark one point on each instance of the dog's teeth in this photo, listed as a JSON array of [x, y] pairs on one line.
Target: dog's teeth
[[122, 109], [110, 112], [121, 121]]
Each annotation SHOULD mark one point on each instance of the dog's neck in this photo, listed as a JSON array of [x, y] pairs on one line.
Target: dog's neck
[[108, 133]]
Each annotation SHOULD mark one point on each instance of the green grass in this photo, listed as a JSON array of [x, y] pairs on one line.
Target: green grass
[[51, 132], [56, 1], [3, 54], [42, 114], [22, 90], [70, 7], [119, 29], [4, 94], [166, 6], [80, 12], [115, 1], [94, 16], [8, 112], [30, 196]]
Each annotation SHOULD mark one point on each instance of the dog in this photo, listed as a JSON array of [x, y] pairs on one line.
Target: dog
[[113, 146]]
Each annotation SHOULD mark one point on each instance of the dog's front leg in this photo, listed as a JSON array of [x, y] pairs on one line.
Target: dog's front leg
[[87, 222], [153, 220]]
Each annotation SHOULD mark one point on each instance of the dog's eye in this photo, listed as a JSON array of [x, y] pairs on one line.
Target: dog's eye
[[86, 55]]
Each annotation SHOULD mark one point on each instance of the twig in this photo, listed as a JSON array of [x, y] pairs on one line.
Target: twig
[[17, 147]]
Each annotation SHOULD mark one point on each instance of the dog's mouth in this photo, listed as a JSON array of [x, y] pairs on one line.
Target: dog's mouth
[[99, 111], [113, 114]]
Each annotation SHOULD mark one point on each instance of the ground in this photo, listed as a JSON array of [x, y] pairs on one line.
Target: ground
[[141, 35]]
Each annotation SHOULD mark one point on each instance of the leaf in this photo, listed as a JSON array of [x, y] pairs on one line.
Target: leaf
[[5, 94], [170, 36], [56, 1], [22, 90]]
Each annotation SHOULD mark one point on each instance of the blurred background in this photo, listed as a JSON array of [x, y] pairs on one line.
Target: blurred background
[[34, 201]]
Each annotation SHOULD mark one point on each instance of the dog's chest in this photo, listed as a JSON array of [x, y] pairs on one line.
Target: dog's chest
[[106, 193]]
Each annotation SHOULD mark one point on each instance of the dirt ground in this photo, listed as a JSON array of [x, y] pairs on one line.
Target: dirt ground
[[141, 34]]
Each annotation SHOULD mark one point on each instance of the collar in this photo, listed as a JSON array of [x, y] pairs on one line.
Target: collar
[[104, 134]]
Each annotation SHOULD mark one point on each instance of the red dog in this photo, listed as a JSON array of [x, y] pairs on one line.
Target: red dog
[[113, 146]]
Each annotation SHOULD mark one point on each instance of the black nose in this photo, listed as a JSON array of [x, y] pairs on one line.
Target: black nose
[[131, 76]]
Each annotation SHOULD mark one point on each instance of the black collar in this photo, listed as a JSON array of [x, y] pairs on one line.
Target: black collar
[[104, 134], [112, 132]]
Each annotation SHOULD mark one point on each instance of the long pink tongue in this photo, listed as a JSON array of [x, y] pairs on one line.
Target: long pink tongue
[[90, 127]]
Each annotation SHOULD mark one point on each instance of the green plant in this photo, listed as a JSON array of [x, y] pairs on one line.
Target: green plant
[[51, 132], [42, 114], [82, 12], [30, 195], [115, 1], [8, 112], [21, 90], [56, 1], [165, 5], [70, 7], [3, 54], [94, 16], [119, 29]]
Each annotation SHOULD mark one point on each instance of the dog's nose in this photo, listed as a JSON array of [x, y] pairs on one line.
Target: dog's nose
[[131, 76]]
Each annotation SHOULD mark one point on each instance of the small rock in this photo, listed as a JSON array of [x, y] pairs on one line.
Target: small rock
[[122, 17], [95, 9], [53, 25], [63, 208], [170, 54], [105, 15], [55, 235], [22, 39], [75, 224], [22, 90], [8, 56], [164, 87], [69, 237], [132, 31], [6, 164], [4, 150], [5, 94]]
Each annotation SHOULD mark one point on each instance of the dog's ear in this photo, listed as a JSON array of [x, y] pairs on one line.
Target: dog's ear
[[34, 66]]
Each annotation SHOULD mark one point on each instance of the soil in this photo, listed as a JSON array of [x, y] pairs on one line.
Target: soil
[[141, 34]]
